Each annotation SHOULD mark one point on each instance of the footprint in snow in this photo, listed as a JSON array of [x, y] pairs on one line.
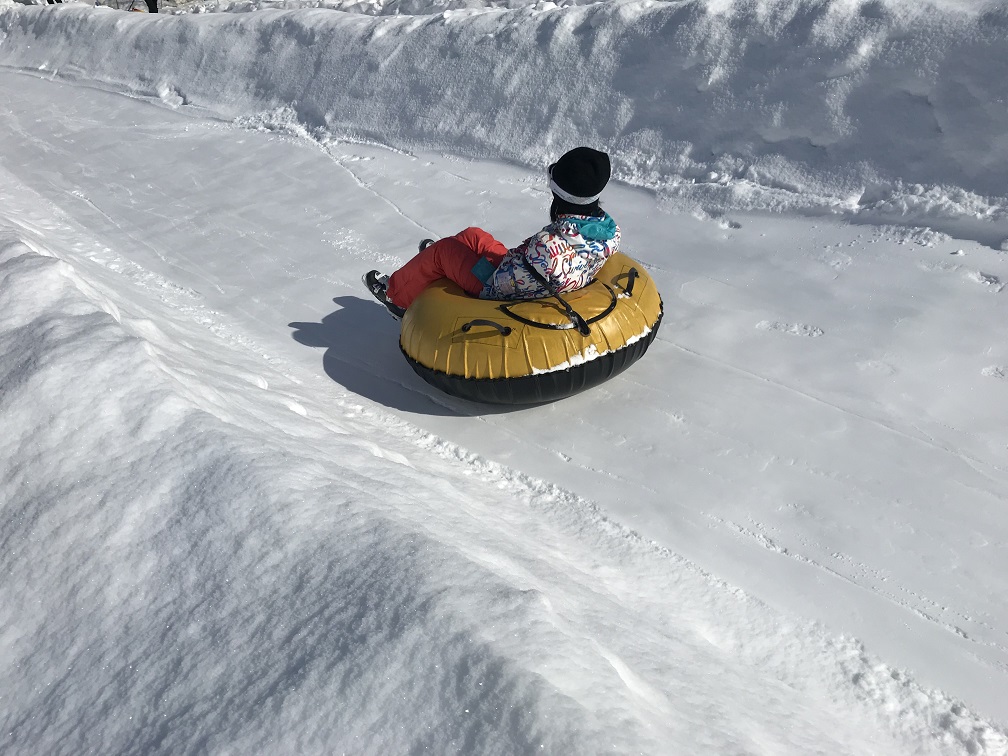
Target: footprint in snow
[[937, 266], [876, 367], [995, 371], [987, 279], [795, 329]]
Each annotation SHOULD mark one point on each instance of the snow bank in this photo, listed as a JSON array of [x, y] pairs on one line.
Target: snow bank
[[822, 105], [173, 583]]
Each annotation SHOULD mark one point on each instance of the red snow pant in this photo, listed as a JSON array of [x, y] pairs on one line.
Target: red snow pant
[[453, 258]]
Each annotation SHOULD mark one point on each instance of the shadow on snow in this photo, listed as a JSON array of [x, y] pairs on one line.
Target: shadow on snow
[[362, 354]]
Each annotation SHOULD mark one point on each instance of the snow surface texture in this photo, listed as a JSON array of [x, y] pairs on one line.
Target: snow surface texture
[[784, 531], [179, 577], [883, 110], [190, 568]]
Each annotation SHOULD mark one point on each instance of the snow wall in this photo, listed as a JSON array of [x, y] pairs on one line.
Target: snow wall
[[823, 104]]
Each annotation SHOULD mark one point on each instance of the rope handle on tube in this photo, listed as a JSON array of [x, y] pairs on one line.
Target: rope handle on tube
[[504, 330]]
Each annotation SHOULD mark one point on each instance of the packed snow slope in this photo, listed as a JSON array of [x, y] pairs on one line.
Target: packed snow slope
[[233, 520]]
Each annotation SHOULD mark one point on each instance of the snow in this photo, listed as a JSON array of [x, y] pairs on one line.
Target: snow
[[234, 520]]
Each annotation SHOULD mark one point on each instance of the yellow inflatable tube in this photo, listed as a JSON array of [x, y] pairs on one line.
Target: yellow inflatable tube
[[526, 351]]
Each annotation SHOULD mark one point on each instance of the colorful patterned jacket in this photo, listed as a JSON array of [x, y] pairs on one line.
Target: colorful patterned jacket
[[568, 253]]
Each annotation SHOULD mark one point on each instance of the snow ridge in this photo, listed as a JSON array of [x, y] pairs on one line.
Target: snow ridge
[[902, 112]]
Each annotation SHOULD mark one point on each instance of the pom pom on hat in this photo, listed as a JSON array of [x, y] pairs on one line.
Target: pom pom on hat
[[579, 176]]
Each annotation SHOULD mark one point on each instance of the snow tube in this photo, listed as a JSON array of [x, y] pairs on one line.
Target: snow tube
[[528, 351]]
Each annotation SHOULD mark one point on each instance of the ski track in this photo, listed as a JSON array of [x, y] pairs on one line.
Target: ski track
[[84, 198], [869, 579], [279, 123], [368, 188], [980, 467]]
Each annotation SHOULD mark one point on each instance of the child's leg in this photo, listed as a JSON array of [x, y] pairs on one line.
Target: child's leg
[[453, 258], [483, 244]]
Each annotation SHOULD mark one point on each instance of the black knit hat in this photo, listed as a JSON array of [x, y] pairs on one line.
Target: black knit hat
[[580, 175]]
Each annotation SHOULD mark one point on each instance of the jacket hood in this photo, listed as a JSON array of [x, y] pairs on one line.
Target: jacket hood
[[591, 228]]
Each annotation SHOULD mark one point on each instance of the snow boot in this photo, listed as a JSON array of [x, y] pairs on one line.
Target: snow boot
[[377, 283]]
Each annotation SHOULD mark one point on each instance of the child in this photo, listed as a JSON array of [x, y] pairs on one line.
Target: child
[[565, 255]]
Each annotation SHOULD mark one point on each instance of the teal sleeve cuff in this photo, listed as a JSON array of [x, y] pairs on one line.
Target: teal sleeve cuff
[[484, 270]]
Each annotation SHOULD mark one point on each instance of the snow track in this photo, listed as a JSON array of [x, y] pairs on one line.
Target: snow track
[[234, 519], [226, 570]]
